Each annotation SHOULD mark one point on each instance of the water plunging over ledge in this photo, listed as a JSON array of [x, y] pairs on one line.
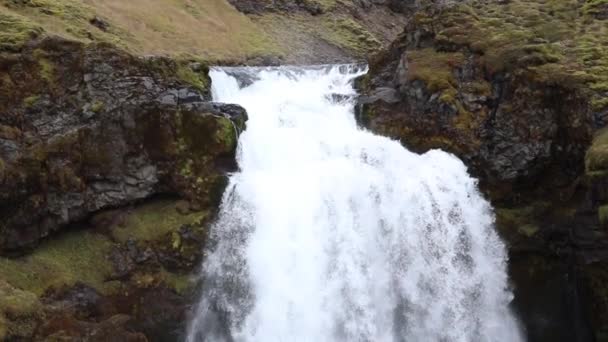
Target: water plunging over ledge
[[331, 233]]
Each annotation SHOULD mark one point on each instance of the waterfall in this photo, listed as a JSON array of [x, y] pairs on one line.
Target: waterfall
[[331, 233]]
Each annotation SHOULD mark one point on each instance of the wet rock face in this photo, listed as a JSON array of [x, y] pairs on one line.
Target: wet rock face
[[90, 127]]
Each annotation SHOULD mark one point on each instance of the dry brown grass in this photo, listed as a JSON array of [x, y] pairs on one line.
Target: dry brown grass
[[209, 28]]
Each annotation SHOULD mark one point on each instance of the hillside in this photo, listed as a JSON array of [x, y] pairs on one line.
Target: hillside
[[214, 30]]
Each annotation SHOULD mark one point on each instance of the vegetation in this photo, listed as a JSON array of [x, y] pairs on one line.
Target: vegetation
[[596, 159], [212, 29], [558, 41], [83, 255], [350, 35], [76, 256], [15, 30], [209, 29], [152, 221]]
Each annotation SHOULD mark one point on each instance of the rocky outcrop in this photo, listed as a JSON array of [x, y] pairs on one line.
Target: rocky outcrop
[[89, 127], [521, 104], [513, 127], [111, 168]]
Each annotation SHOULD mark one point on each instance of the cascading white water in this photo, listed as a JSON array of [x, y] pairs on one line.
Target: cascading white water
[[331, 233]]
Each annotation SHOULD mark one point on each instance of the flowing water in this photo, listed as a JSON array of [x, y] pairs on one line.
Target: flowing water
[[331, 233]]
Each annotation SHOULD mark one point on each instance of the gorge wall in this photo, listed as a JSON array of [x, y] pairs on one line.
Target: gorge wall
[[516, 89]]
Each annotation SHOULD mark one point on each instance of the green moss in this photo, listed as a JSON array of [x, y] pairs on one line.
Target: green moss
[[528, 229], [226, 135], [599, 104], [74, 256], [47, 69], [17, 302], [152, 221], [204, 135], [181, 283], [595, 6], [434, 68], [30, 100], [596, 158], [350, 35], [199, 80], [69, 18], [556, 38], [19, 312], [15, 30], [602, 213], [521, 220], [97, 106]]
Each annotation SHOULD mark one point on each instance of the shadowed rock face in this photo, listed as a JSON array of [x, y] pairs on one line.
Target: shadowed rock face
[[90, 127]]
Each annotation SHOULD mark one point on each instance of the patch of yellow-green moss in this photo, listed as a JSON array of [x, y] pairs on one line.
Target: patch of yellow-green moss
[[47, 69], [97, 106], [521, 220], [596, 158], [15, 30], [602, 215], [595, 6], [151, 221], [199, 80], [531, 34], [19, 312], [436, 69], [226, 135], [30, 100], [349, 35], [76, 256], [181, 283]]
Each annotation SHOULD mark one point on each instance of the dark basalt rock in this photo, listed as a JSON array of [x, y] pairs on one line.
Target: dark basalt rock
[[112, 166], [531, 138], [90, 127]]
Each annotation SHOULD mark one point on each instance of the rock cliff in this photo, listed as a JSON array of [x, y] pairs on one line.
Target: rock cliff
[[111, 168], [517, 89]]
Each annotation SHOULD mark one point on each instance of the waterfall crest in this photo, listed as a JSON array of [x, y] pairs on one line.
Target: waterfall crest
[[331, 233]]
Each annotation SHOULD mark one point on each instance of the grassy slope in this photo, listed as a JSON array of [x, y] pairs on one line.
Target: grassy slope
[[211, 29], [207, 28]]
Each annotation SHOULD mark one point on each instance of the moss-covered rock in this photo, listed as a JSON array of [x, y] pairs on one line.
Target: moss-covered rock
[[20, 312], [517, 90], [90, 127], [15, 31], [493, 83], [596, 159], [112, 265]]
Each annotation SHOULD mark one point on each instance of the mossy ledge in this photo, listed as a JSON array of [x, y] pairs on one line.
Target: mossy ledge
[[119, 256]]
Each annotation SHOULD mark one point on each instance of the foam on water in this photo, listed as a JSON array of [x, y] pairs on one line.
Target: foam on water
[[331, 233]]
